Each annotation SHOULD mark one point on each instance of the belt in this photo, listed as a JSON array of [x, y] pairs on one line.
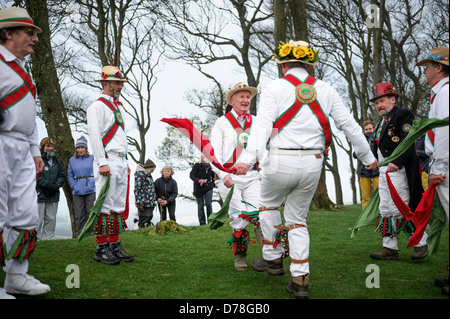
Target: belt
[[117, 154], [283, 151]]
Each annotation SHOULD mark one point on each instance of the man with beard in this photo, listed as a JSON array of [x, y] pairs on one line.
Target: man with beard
[[403, 171], [110, 147]]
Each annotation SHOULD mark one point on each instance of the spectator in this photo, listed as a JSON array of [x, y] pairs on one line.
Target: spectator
[[203, 178], [166, 193], [48, 183], [80, 176], [368, 179], [145, 193]]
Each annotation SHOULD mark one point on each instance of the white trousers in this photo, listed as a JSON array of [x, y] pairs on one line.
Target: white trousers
[[18, 197], [443, 192], [247, 189], [291, 179], [115, 199], [387, 206]]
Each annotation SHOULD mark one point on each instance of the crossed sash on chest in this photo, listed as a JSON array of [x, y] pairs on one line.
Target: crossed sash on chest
[[18, 94], [118, 121], [305, 94], [430, 133], [242, 138]]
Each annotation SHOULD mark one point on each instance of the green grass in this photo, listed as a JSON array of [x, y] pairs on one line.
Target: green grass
[[197, 264]]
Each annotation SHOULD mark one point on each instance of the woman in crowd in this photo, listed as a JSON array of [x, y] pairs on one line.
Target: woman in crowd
[[144, 193], [48, 183], [203, 177], [166, 192], [81, 179]]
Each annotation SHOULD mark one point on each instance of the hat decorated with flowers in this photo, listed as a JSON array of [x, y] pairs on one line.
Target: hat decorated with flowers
[[438, 55], [111, 73], [16, 17], [241, 86], [295, 51], [383, 89]]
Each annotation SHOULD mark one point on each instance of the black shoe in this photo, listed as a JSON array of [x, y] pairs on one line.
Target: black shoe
[[105, 254], [119, 253], [272, 267], [300, 292], [441, 282]]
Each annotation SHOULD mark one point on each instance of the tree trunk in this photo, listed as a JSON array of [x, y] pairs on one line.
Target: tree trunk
[[49, 93]]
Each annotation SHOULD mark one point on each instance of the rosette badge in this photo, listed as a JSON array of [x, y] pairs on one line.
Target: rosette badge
[[295, 51]]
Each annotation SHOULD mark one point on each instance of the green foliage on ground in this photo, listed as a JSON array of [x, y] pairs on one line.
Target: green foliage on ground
[[196, 263]]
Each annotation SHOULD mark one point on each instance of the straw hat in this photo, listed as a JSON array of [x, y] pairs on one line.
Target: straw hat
[[438, 55], [383, 89], [111, 73], [295, 51], [16, 17], [241, 86]]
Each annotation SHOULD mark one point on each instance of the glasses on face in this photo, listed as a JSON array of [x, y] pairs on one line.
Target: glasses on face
[[30, 32]]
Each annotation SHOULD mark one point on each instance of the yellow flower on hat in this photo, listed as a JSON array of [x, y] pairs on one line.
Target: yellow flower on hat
[[310, 53], [299, 52], [285, 49]]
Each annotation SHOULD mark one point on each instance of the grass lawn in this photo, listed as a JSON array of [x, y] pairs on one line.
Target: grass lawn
[[197, 264]]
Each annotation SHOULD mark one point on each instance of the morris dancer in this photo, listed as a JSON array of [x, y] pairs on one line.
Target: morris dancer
[[109, 146], [293, 116], [436, 144], [20, 158], [229, 137], [404, 172]]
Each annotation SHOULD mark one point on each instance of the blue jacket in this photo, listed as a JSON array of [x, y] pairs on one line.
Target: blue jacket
[[80, 175]]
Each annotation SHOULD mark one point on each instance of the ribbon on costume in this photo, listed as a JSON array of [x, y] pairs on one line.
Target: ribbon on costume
[[370, 214], [420, 216], [186, 127], [95, 212]]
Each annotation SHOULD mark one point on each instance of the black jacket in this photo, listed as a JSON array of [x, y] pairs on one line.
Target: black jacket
[[395, 129], [362, 171], [167, 189], [199, 171]]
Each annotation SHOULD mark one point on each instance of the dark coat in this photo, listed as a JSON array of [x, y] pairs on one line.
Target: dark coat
[[395, 129], [50, 180], [167, 189], [200, 171], [362, 171]]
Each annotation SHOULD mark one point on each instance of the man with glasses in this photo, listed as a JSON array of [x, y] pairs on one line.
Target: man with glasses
[[20, 158]]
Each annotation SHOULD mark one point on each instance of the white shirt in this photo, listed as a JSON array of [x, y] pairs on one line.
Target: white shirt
[[304, 130], [439, 110], [224, 141], [20, 119], [100, 119]]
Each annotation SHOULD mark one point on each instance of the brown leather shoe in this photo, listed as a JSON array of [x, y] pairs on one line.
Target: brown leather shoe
[[385, 254], [299, 287], [420, 252], [273, 267]]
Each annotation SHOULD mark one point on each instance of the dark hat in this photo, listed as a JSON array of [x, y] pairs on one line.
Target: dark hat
[[383, 89], [149, 164]]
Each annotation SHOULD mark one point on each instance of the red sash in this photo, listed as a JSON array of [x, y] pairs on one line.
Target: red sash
[[287, 116], [430, 133], [238, 128], [12, 98], [117, 118]]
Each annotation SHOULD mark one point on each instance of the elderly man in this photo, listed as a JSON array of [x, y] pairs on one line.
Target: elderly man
[[229, 137], [293, 117], [436, 145], [109, 147], [20, 158], [404, 173]]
